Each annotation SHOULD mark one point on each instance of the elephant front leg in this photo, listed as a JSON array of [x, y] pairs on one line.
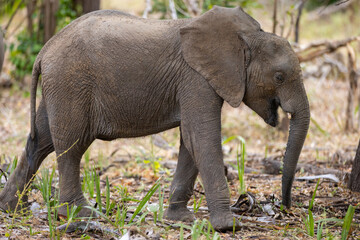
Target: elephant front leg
[[182, 187], [203, 139]]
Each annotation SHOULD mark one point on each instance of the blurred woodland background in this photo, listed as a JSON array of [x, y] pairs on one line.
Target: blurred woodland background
[[325, 34]]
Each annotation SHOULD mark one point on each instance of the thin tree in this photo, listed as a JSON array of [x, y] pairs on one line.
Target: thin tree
[[50, 8], [90, 5], [354, 182]]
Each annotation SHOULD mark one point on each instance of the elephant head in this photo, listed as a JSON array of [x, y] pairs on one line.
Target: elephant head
[[243, 63]]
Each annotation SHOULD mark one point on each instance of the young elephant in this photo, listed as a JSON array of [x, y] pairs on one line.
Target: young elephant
[[110, 75]]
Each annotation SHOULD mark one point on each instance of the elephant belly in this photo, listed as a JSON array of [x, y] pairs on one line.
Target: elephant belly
[[135, 132], [135, 121]]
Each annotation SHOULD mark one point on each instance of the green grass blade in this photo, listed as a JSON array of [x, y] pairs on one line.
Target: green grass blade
[[98, 191], [107, 196], [101, 214], [229, 139], [311, 224], [181, 232], [161, 204], [145, 199], [311, 204], [13, 165], [318, 127], [319, 231], [241, 165], [347, 222]]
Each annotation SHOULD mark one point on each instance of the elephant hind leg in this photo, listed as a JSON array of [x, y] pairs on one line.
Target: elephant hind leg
[[70, 141], [69, 172], [182, 187], [36, 151]]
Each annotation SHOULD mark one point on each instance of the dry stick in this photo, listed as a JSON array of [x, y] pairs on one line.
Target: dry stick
[[325, 47]]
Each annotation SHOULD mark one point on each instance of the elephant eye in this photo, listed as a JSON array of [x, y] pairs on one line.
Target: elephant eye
[[279, 77]]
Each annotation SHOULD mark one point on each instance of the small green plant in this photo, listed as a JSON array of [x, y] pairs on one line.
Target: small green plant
[[161, 204], [44, 185], [71, 214], [87, 158], [203, 228], [309, 220], [89, 181], [181, 233], [240, 160], [241, 165], [145, 199], [109, 205], [120, 216], [153, 160], [154, 208], [98, 191], [347, 222], [197, 204]]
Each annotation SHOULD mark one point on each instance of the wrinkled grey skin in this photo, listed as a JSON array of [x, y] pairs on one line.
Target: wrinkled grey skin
[[1, 50], [109, 75]]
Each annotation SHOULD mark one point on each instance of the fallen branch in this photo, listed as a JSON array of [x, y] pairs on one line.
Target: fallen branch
[[275, 167], [317, 49]]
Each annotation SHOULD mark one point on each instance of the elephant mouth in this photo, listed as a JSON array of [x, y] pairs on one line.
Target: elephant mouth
[[273, 118]]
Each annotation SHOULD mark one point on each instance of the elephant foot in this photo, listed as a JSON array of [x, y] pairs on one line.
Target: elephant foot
[[224, 222], [67, 206], [177, 213]]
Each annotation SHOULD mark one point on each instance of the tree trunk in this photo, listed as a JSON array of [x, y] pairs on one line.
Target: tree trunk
[[275, 21], [354, 182], [30, 8], [50, 8], [349, 123], [297, 23], [90, 5]]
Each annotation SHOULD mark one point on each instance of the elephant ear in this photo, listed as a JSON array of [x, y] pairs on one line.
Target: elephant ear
[[212, 45]]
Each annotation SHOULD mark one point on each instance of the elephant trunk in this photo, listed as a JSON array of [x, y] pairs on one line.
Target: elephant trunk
[[299, 125]]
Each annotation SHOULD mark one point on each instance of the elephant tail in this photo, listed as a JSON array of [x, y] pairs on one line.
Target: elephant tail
[[34, 82]]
